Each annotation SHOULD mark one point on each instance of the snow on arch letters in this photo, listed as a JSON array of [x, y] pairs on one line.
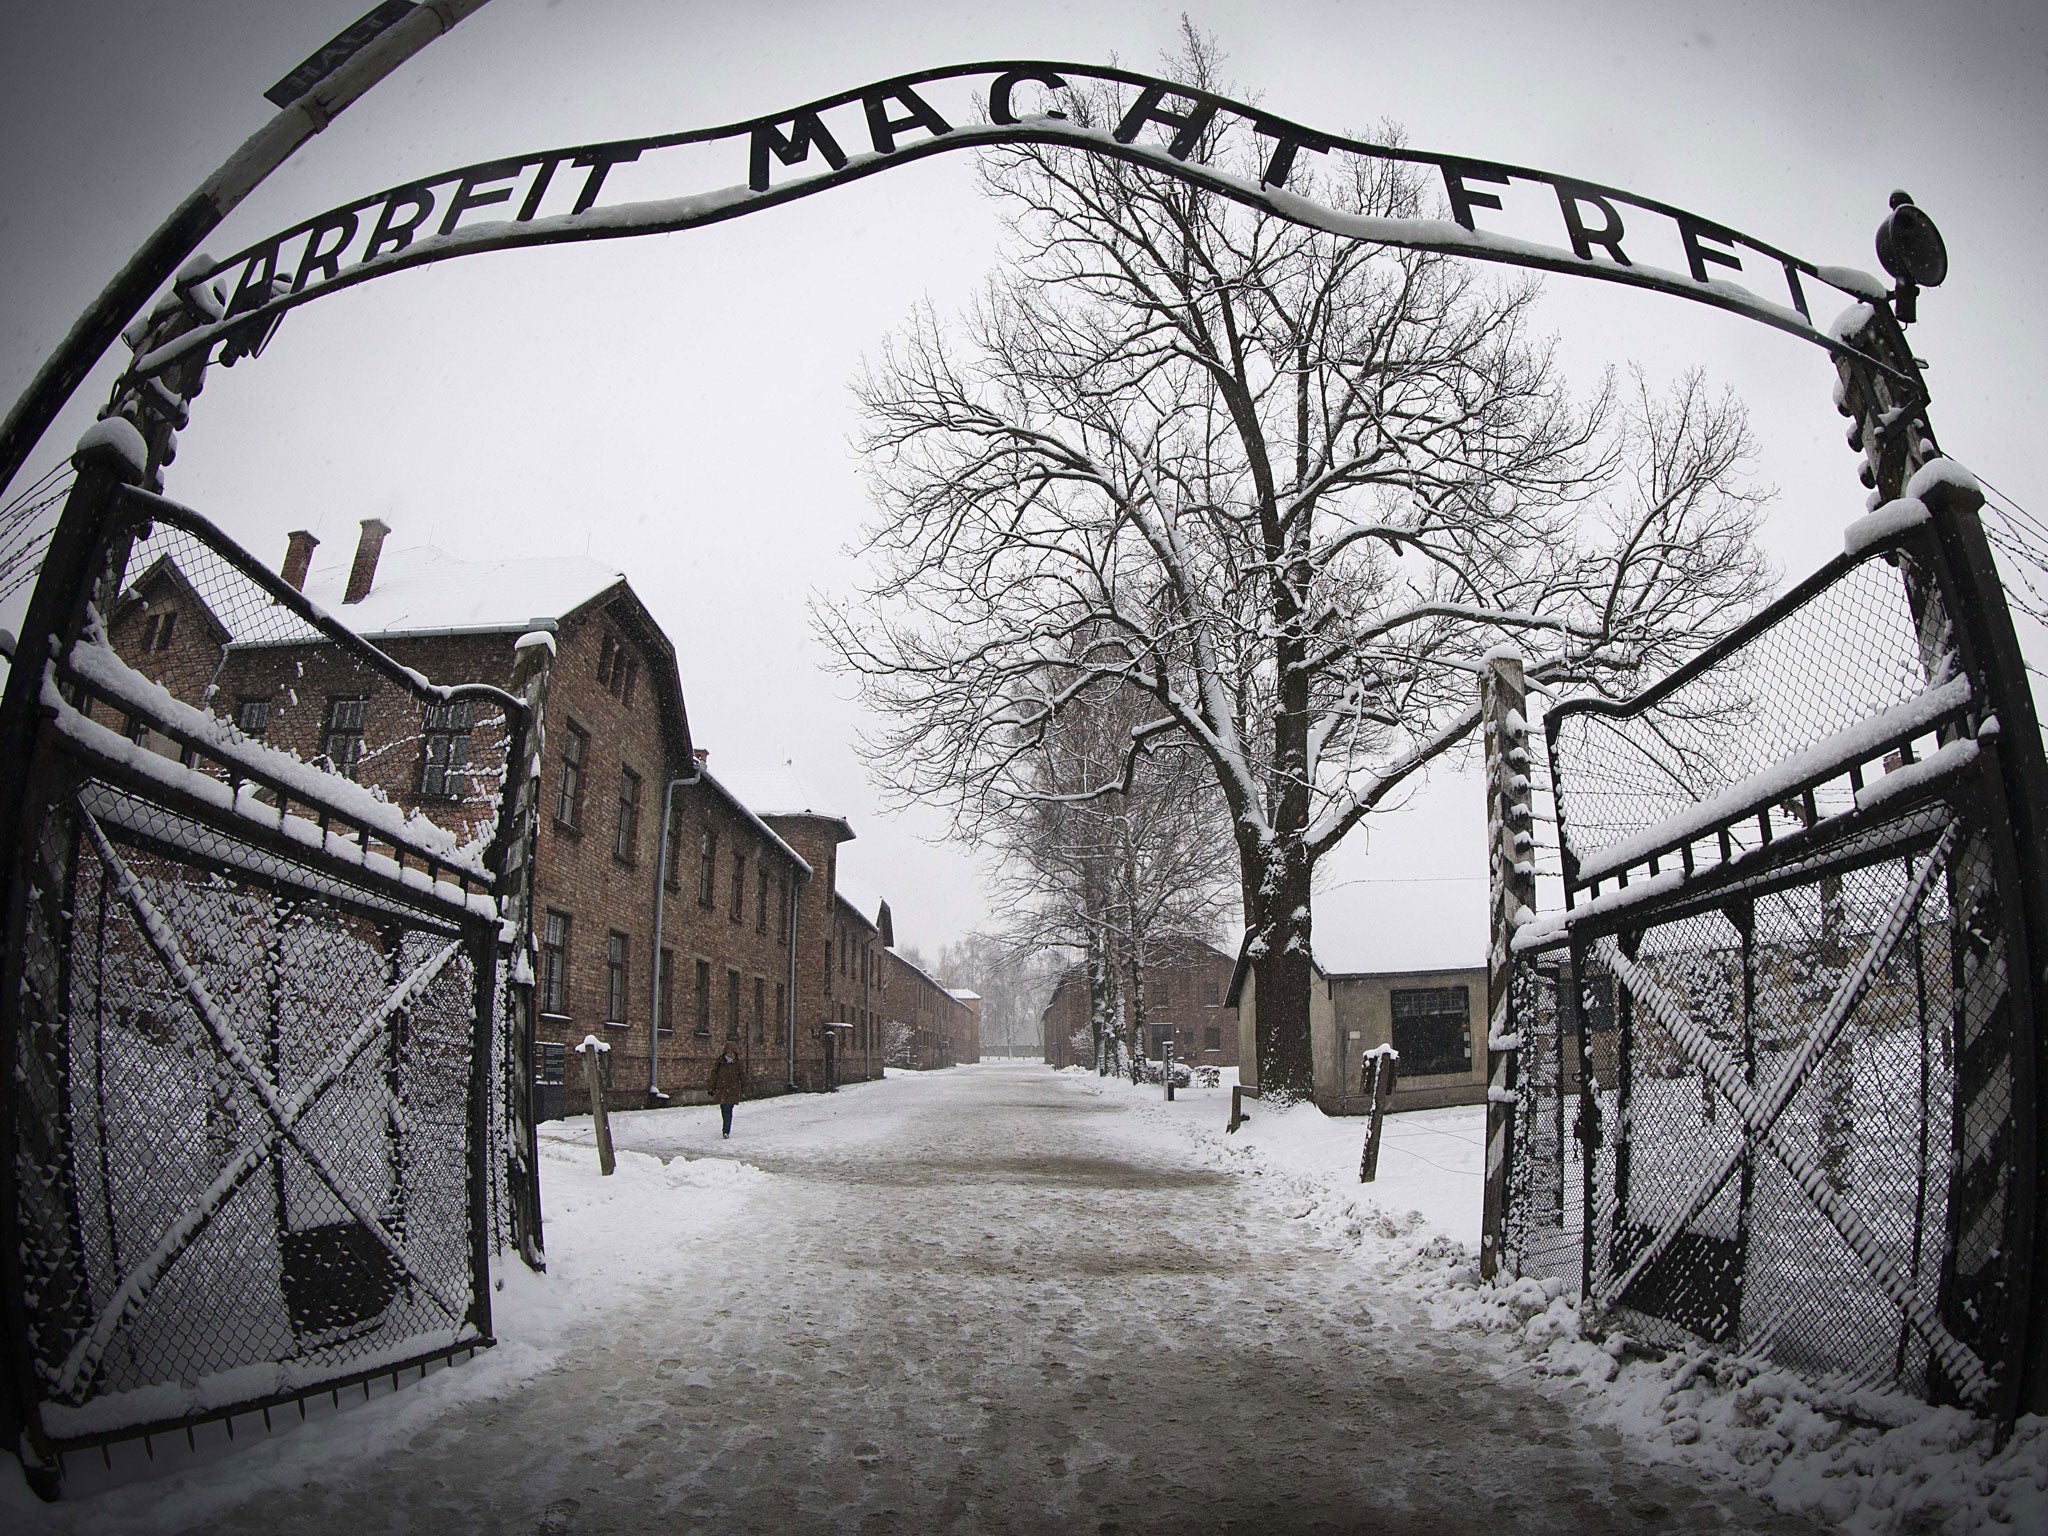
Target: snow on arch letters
[[628, 187]]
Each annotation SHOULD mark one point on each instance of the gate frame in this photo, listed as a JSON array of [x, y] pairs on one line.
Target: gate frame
[[2012, 771], [89, 561]]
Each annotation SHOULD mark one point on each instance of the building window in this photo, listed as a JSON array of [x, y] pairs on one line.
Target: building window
[[252, 717], [1433, 1030], [156, 632], [615, 978], [554, 963], [1212, 1038], [344, 744], [739, 885], [1162, 992], [760, 1009], [707, 871], [447, 750], [760, 896], [828, 965], [781, 1004], [575, 751], [1212, 994], [704, 997], [665, 984], [626, 845], [732, 1005], [617, 669], [782, 914]]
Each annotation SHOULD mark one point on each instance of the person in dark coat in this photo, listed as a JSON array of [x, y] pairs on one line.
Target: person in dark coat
[[728, 1085]]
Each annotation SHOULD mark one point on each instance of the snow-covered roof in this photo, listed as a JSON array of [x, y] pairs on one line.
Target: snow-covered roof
[[778, 791], [1378, 927], [927, 975], [713, 783], [425, 588], [964, 994], [857, 894]]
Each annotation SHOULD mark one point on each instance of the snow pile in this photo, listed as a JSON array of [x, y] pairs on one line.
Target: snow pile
[[1870, 1463]]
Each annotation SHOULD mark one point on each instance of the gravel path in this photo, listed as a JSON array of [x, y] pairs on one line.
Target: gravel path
[[989, 1300]]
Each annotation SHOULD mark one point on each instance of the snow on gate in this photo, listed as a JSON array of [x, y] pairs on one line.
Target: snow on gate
[[266, 1106], [1777, 1056]]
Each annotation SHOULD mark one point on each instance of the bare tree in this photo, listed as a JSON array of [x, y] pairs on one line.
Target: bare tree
[[1014, 986], [1116, 874], [1290, 488]]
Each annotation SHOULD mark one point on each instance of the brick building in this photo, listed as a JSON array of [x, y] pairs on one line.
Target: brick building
[[925, 1025], [747, 899], [1185, 1002]]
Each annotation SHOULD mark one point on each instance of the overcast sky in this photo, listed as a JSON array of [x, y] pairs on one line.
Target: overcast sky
[[677, 405]]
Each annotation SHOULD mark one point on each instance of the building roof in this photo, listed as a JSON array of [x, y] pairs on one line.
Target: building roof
[[779, 791], [858, 897], [965, 994], [1368, 928], [712, 783], [913, 965], [427, 589]]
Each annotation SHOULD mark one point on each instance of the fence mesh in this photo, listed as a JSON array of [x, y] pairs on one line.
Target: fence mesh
[[261, 1032], [1766, 1076]]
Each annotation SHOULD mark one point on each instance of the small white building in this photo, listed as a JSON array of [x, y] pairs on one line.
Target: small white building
[[1433, 1013]]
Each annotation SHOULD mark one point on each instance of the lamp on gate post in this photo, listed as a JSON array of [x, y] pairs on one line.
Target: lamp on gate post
[[1912, 250]]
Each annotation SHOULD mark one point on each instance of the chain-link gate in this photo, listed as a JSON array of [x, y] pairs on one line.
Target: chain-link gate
[[1777, 1059], [256, 1029]]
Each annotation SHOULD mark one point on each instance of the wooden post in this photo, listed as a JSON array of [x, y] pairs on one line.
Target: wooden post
[[1381, 1065], [1503, 699], [1238, 1115], [593, 1075]]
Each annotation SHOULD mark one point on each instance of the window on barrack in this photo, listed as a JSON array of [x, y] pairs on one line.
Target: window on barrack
[[575, 750], [446, 761], [554, 963], [615, 978], [1433, 1029], [739, 885], [344, 741], [252, 717], [626, 845]]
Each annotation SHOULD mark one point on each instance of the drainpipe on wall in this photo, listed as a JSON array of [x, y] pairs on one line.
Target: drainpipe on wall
[[795, 890], [668, 807]]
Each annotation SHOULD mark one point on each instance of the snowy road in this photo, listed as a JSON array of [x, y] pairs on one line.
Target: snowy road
[[986, 1300]]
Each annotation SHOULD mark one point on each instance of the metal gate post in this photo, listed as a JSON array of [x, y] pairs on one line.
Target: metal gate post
[[1990, 641], [1512, 878], [110, 458]]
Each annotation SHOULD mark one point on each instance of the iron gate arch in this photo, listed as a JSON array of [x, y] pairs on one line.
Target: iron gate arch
[[223, 311]]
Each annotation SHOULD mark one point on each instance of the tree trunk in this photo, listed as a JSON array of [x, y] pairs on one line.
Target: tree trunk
[[1284, 979]]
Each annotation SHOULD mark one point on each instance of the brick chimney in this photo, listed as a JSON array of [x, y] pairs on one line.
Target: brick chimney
[[364, 571], [298, 554]]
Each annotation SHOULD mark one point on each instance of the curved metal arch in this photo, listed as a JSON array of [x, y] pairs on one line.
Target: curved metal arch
[[421, 221]]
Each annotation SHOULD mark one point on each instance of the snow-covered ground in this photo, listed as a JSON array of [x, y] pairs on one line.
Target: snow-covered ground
[[1002, 1298]]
